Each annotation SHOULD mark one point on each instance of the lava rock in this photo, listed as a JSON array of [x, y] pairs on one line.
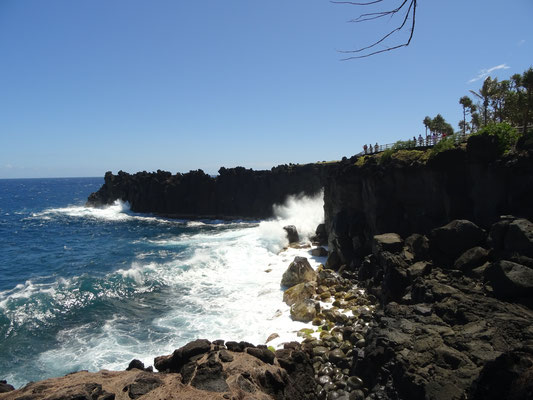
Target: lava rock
[[299, 271], [292, 234]]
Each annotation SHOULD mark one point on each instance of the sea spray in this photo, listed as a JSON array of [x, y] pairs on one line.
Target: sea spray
[[108, 285]]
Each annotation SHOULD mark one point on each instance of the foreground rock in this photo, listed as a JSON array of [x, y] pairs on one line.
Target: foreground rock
[[455, 322], [198, 370]]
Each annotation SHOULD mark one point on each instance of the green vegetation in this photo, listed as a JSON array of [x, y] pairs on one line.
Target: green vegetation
[[506, 135], [446, 143], [510, 101]]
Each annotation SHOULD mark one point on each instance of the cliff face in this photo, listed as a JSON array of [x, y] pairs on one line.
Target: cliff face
[[408, 197], [235, 192]]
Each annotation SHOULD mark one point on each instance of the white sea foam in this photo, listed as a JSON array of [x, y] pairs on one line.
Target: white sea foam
[[226, 285]]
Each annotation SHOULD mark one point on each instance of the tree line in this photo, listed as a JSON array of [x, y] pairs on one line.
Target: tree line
[[509, 100]]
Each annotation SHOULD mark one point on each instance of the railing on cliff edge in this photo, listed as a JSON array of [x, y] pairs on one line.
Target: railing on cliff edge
[[428, 142], [422, 144]]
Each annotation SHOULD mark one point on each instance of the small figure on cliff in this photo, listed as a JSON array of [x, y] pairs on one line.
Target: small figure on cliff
[[376, 148], [420, 140], [365, 148], [370, 149]]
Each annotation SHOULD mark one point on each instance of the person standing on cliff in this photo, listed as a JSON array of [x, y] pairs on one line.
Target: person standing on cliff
[[376, 148], [365, 148]]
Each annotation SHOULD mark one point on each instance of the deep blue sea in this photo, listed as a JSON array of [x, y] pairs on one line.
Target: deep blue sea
[[93, 288]]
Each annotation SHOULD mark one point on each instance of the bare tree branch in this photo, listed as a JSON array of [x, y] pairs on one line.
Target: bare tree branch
[[409, 13], [357, 4]]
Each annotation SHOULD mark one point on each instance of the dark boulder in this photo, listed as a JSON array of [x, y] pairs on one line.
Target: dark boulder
[[142, 385], [264, 355], [319, 252], [519, 237], [292, 234], [211, 377], [175, 361], [455, 238], [391, 242], [321, 235], [135, 364], [510, 376], [5, 387], [334, 261], [395, 276], [510, 280], [418, 245], [471, 259]]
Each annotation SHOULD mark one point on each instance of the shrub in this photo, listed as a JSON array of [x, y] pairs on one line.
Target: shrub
[[447, 143], [505, 134]]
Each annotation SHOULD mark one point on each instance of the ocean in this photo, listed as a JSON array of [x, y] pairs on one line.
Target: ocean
[[94, 288]]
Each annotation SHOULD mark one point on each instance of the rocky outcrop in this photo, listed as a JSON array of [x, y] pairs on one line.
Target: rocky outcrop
[[235, 192], [198, 370], [449, 327], [362, 200]]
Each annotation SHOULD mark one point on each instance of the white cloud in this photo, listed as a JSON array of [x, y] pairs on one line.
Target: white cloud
[[486, 72], [521, 42]]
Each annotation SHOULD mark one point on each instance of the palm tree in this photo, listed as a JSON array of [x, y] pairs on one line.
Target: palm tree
[[527, 83], [466, 102], [427, 124], [484, 94]]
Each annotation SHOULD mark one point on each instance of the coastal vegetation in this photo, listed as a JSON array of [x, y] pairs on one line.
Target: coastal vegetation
[[502, 110]]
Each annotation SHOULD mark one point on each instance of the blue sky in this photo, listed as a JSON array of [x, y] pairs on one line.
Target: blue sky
[[91, 86]]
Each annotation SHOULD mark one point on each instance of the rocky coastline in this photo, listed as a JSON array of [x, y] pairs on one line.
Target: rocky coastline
[[442, 248]]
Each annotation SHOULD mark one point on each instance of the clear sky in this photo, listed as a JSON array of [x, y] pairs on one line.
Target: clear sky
[[91, 86]]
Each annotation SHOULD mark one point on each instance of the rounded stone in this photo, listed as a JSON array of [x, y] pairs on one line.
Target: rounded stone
[[326, 370], [337, 355], [324, 380], [354, 382], [319, 351]]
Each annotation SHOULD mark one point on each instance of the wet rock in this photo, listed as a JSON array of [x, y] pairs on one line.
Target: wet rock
[[292, 234], [391, 242], [336, 356], [272, 337], [319, 252], [299, 292], [299, 271], [303, 311], [354, 382]]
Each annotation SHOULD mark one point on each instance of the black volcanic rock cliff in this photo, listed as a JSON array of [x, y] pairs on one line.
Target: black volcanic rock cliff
[[406, 197], [235, 192]]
